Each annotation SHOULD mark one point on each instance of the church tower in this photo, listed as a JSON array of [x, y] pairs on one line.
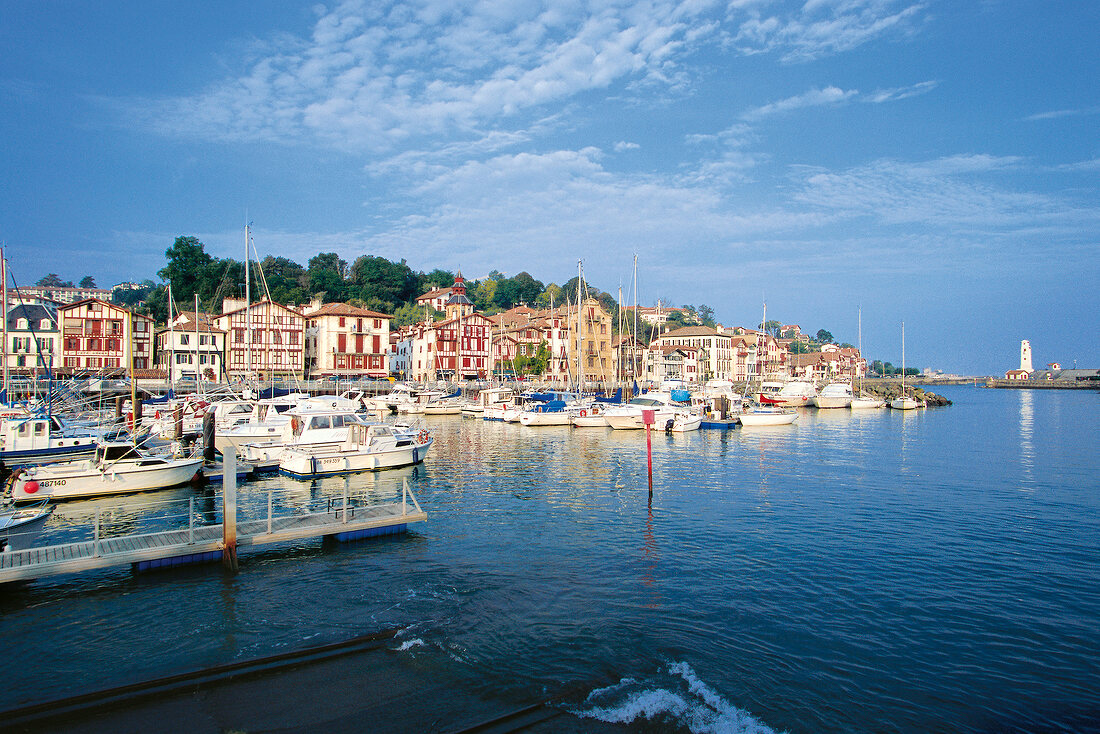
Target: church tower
[[1025, 356], [458, 304]]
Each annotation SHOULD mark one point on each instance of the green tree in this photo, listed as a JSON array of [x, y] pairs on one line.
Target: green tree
[[551, 294], [823, 337], [706, 315], [190, 269], [87, 282], [376, 277], [772, 327], [53, 280], [438, 278], [326, 274], [286, 279]]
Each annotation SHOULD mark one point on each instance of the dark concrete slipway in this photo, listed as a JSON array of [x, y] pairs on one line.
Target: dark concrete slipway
[[353, 686]]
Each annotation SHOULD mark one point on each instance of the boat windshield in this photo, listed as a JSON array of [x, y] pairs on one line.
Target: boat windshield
[[645, 401]]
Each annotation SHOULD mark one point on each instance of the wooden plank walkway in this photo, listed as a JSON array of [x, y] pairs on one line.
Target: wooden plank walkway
[[189, 545]]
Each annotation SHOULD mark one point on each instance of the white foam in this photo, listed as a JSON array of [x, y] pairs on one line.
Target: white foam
[[699, 708], [409, 644]]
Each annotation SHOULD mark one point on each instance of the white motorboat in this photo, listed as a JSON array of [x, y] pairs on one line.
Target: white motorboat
[[445, 406], [629, 415], [265, 423], [834, 395], [307, 426], [792, 394], [684, 422], [550, 413], [488, 399], [366, 448], [20, 526], [865, 402], [768, 415], [590, 417], [40, 439], [117, 467]]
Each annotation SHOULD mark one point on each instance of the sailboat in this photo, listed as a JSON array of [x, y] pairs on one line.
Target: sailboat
[[859, 400], [903, 401], [766, 415]]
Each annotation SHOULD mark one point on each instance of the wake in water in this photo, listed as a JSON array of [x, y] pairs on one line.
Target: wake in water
[[680, 699]]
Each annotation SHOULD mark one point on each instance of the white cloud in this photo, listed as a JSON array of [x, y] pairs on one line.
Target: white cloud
[[624, 145], [812, 98], [1056, 114], [372, 77], [892, 95], [820, 27]]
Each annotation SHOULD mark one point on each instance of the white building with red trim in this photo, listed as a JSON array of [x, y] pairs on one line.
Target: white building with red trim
[[97, 336], [346, 341], [263, 339]]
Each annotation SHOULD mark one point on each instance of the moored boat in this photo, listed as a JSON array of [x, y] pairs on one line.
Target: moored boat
[[834, 395], [366, 448], [792, 394], [768, 415], [20, 526], [116, 468]]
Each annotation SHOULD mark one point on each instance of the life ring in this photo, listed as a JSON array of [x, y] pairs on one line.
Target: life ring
[[584, 414], [422, 437], [294, 423]]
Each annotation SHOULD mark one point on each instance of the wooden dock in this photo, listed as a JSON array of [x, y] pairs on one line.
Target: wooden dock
[[197, 544]]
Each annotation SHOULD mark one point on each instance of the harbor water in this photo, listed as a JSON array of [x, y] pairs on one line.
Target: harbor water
[[930, 570]]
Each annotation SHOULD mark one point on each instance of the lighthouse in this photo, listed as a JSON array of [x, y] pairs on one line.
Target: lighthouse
[[1025, 356]]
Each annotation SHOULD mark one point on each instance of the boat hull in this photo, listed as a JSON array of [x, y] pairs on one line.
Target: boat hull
[[61, 482], [768, 418], [312, 464], [866, 403], [832, 402]]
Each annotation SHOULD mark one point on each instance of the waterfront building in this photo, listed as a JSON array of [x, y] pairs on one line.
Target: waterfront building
[[655, 315], [190, 347], [264, 339], [33, 339], [65, 295], [456, 348], [714, 350], [346, 341], [98, 336], [671, 362]]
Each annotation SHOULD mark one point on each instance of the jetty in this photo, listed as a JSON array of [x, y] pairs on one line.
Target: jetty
[[343, 518]]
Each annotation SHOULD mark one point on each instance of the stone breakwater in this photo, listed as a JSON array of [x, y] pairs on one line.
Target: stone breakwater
[[888, 390]]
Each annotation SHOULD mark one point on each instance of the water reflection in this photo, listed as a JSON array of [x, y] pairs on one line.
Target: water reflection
[[1027, 425]]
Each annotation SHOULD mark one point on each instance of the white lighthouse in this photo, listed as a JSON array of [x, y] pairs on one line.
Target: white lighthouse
[[1025, 356]]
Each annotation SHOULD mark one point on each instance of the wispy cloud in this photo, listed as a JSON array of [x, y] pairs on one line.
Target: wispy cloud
[[812, 98], [623, 146], [374, 76], [1055, 114], [898, 93], [820, 27]]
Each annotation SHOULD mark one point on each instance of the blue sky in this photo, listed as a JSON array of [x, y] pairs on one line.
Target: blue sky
[[935, 162]]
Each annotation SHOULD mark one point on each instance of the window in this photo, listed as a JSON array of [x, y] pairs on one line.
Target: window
[[21, 324], [294, 337], [185, 339]]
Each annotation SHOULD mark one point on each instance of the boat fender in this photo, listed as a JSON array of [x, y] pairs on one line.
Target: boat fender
[[668, 425], [30, 487], [584, 414]]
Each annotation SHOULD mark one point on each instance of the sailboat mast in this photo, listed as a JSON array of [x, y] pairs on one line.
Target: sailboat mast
[[634, 340], [247, 303], [4, 273], [580, 370], [903, 359], [198, 370]]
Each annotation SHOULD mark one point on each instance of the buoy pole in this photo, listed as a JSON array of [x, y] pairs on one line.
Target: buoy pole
[[649, 417], [229, 510]]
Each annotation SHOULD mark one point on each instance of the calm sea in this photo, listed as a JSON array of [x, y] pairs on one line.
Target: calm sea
[[937, 570]]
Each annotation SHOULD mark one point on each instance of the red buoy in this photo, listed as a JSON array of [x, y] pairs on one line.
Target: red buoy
[[30, 487]]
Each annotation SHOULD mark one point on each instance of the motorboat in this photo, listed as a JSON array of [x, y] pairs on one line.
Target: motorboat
[[116, 467], [684, 422], [308, 425], [792, 394], [767, 415], [629, 415], [451, 405], [21, 526], [486, 399], [865, 402], [590, 417], [550, 413], [39, 439], [834, 395], [266, 421], [366, 448]]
